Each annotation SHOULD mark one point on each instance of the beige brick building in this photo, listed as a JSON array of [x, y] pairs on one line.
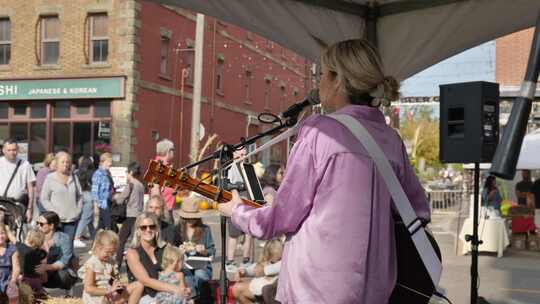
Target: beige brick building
[[72, 65]]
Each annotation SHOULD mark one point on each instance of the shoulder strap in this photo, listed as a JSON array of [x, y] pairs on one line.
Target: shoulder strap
[[12, 176], [400, 199]]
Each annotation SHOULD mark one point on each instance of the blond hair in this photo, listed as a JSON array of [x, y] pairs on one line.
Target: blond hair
[[104, 238], [171, 255], [105, 156], [356, 66], [136, 240], [35, 238], [48, 159], [272, 248]]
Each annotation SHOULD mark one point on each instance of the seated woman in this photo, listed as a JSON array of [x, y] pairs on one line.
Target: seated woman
[[9, 268], [56, 273], [195, 238], [144, 258], [264, 272]]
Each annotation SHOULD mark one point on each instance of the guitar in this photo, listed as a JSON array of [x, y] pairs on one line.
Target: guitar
[[413, 282], [167, 176]]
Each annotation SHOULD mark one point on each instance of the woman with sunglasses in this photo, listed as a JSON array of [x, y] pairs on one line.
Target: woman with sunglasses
[[59, 248], [144, 258]]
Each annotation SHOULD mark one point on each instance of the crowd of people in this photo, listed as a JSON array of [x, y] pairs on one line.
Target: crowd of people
[[64, 199]]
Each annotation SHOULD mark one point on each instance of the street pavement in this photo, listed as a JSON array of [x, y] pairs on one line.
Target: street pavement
[[511, 279]]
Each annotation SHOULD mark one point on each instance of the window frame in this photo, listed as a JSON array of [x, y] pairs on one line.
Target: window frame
[[6, 42], [93, 39], [164, 55], [220, 77], [44, 40]]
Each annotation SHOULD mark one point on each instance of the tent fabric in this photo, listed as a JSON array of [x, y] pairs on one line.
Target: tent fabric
[[529, 157], [408, 41]]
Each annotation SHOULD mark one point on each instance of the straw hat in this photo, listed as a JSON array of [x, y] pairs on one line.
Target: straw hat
[[190, 208]]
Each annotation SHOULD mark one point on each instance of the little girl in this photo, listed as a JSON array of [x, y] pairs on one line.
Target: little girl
[[264, 272], [172, 262], [100, 275], [31, 255], [9, 267]]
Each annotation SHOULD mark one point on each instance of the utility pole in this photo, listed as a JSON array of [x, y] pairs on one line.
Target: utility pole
[[197, 88]]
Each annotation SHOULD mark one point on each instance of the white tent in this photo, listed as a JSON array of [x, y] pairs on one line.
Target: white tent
[[411, 34], [529, 157]]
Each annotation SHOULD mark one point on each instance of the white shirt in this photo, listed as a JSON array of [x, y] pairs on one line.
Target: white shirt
[[24, 175], [234, 175]]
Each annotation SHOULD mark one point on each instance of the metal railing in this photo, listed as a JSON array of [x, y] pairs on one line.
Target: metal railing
[[446, 201]]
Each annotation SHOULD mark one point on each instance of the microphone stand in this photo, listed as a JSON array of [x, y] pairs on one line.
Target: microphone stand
[[224, 154]]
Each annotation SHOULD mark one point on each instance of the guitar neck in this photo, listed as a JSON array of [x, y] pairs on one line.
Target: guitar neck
[[166, 176], [211, 191]]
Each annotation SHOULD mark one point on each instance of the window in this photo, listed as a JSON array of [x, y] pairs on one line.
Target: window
[[50, 39], [267, 93], [247, 86], [99, 40], [79, 127], [219, 78], [163, 54], [5, 41], [190, 59]]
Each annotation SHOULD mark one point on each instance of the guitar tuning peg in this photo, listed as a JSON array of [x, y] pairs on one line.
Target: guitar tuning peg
[[172, 172], [160, 166], [155, 180]]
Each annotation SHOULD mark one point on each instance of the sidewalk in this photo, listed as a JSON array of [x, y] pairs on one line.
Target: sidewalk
[[511, 279]]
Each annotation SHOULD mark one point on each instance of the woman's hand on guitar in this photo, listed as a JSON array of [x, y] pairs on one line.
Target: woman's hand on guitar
[[226, 209]]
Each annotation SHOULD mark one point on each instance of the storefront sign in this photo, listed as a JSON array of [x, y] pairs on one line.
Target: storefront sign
[[119, 176], [110, 87]]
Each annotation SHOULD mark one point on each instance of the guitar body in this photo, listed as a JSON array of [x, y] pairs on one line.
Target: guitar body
[[412, 274]]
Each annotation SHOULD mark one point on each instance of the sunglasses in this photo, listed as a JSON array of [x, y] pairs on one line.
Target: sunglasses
[[41, 224], [146, 227]]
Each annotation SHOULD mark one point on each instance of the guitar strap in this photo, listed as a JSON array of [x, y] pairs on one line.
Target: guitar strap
[[400, 199]]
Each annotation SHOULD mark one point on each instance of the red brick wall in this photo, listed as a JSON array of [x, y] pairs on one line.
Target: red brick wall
[[512, 53], [228, 118]]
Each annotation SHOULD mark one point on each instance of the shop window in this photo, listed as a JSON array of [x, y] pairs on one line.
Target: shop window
[[102, 137], [38, 142], [99, 39], [4, 110], [19, 132], [102, 109], [61, 138], [4, 132], [19, 109], [163, 55], [62, 109], [5, 41], [82, 109], [38, 110], [82, 139], [50, 39]]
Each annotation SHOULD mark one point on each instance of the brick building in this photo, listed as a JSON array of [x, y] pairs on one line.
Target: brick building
[[115, 75], [512, 54]]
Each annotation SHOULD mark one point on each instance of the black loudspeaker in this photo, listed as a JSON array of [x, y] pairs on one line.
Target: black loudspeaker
[[469, 118]]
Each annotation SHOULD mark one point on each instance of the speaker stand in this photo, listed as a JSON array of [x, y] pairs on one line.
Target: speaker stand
[[475, 242]]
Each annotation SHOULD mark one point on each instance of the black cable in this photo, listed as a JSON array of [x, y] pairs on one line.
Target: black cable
[[440, 295]]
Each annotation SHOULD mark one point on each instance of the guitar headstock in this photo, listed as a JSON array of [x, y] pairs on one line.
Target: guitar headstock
[[166, 176]]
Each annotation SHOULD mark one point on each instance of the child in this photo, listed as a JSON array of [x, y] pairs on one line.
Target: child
[[264, 272], [172, 262], [9, 268], [31, 255], [100, 275]]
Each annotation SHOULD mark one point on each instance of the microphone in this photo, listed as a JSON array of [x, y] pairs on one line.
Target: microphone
[[311, 99], [507, 153]]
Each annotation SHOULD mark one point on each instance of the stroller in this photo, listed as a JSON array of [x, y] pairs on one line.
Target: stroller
[[12, 215]]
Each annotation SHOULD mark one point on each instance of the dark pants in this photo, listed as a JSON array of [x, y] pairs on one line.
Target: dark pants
[[125, 232], [269, 293]]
